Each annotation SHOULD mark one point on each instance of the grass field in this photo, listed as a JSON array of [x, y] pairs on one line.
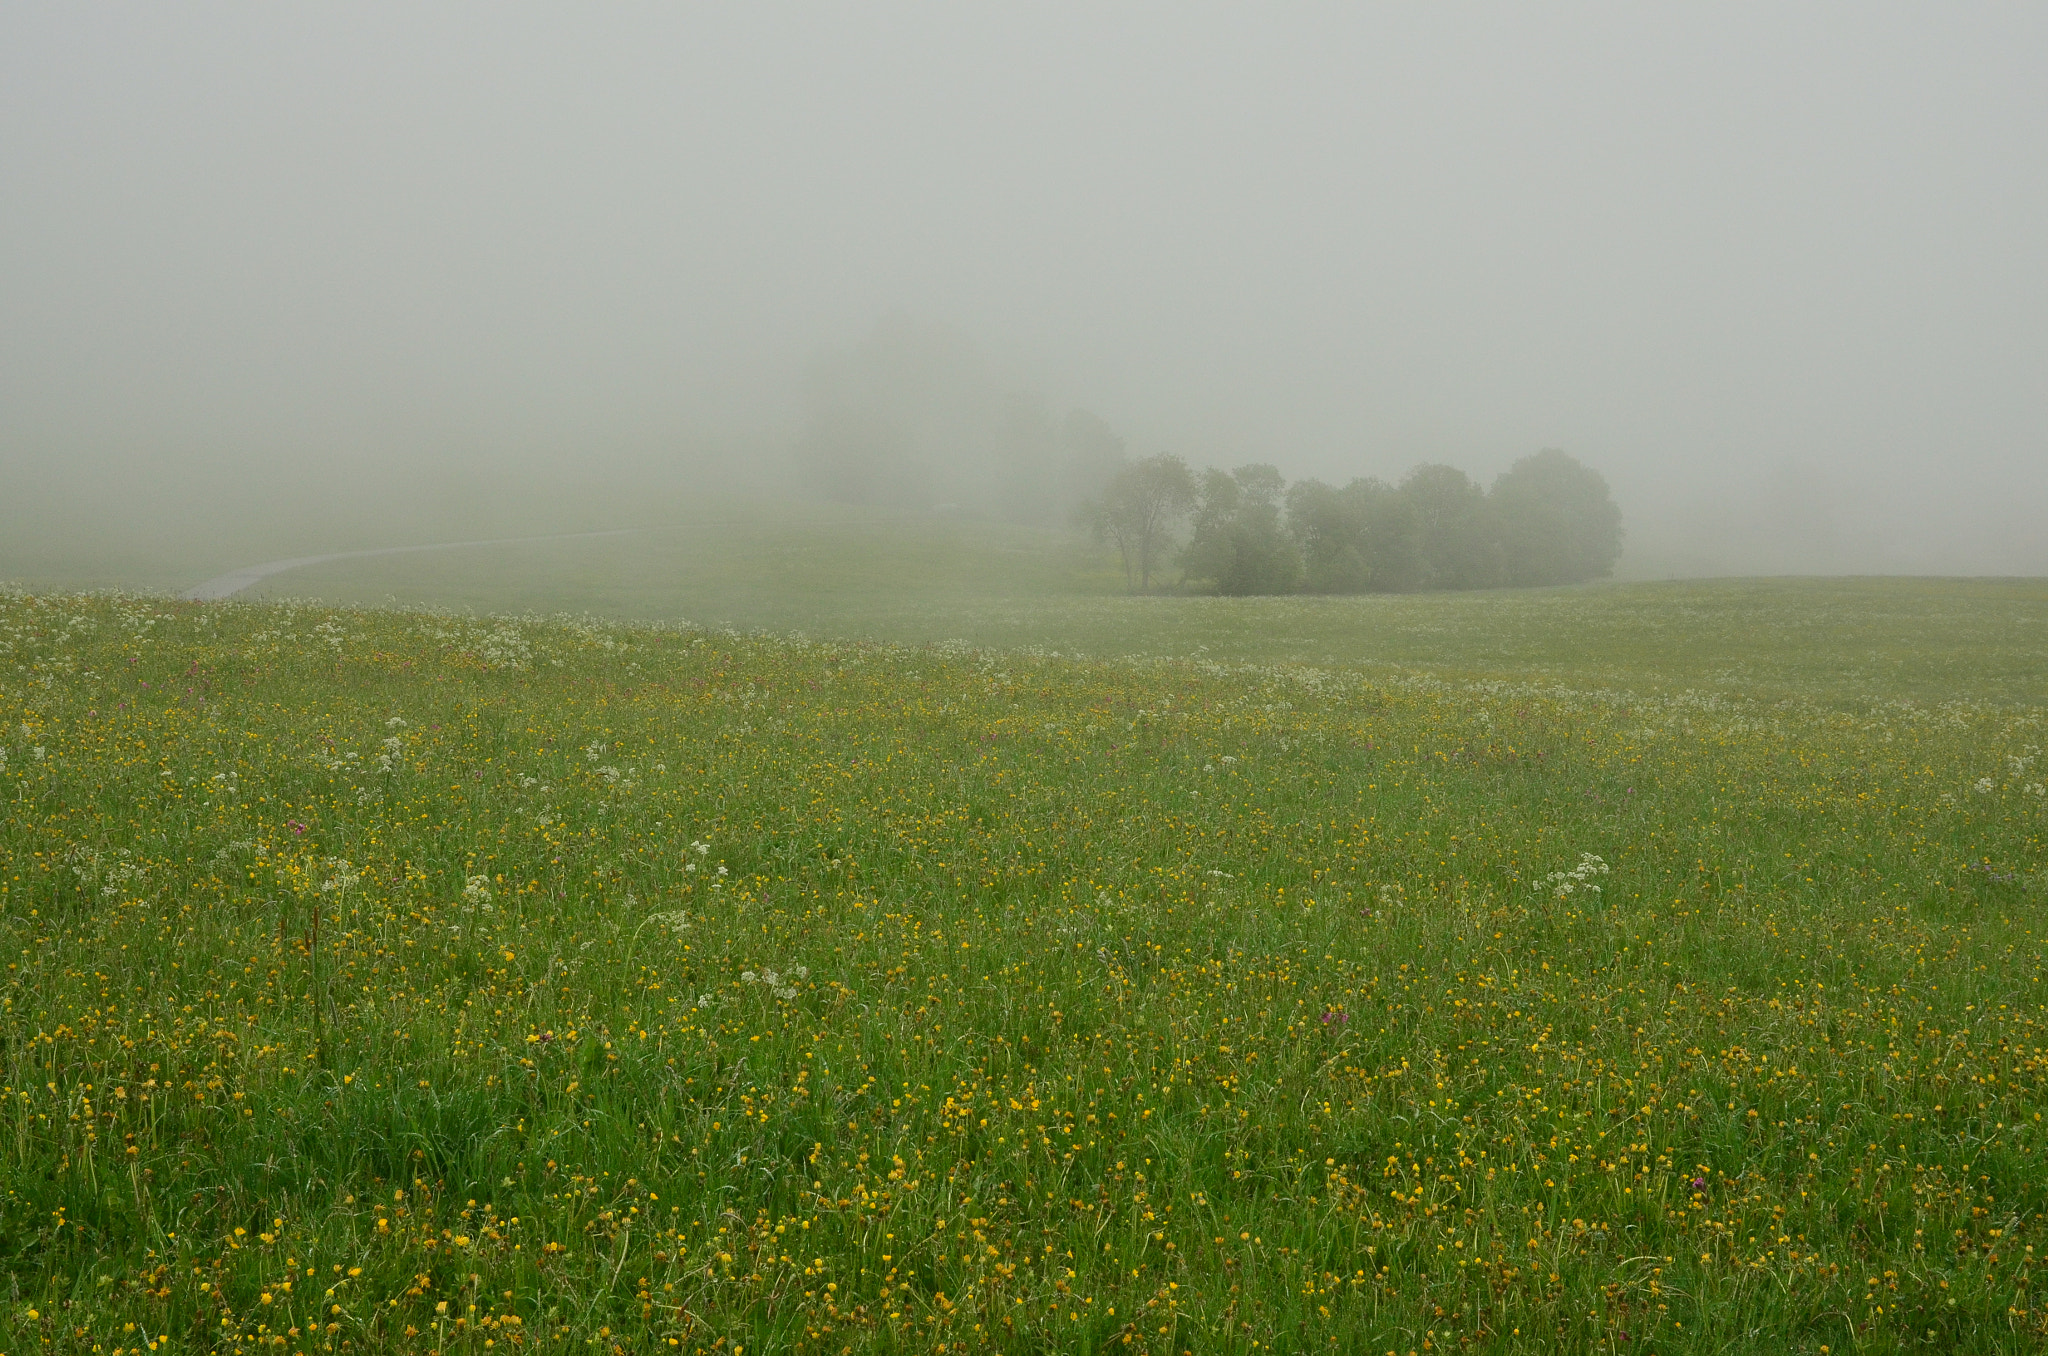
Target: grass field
[[929, 581], [1648, 969]]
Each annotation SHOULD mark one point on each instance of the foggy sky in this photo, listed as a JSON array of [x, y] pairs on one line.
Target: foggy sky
[[1778, 271]]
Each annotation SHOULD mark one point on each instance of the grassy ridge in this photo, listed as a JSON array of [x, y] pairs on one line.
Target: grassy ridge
[[922, 581], [820, 569], [387, 981]]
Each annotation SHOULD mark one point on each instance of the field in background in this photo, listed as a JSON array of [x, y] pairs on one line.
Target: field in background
[[926, 581], [724, 558], [387, 981], [839, 572], [168, 524]]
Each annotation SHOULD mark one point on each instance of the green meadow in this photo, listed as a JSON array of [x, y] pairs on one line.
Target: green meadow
[[919, 581], [815, 957]]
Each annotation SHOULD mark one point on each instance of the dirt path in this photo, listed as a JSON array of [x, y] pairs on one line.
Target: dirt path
[[232, 583]]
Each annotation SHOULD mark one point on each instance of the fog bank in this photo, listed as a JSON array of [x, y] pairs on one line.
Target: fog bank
[[338, 277]]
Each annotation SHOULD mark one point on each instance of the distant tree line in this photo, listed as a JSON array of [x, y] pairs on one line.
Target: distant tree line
[[912, 417], [1547, 520]]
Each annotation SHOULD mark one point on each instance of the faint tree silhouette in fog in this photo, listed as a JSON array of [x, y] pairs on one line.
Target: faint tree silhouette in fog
[[1455, 545], [899, 419], [1139, 512], [1556, 521], [911, 416], [1094, 454]]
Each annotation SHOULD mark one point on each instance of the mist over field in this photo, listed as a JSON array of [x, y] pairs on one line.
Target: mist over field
[[275, 282], [920, 679]]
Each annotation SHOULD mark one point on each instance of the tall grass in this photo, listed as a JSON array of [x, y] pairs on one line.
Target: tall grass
[[402, 981]]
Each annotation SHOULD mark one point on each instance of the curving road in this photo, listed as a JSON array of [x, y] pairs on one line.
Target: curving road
[[232, 583]]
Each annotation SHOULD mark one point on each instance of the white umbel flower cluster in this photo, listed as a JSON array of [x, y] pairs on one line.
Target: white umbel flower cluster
[[1578, 880], [774, 982]]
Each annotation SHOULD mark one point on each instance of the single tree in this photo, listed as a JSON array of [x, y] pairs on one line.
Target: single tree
[[1558, 524], [1239, 540], [1456, 545], [1139, 511]]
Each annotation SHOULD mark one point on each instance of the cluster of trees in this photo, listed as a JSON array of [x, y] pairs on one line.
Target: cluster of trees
[[1547, 520], [912, 416]]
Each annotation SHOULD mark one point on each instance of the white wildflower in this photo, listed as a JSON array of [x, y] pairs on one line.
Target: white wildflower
[[505, 648], [774, 981], [1564, 884], [85, 863], [476, 893]]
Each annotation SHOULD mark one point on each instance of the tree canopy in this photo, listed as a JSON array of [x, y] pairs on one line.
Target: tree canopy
[[1140, 511], [1548, 519]]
